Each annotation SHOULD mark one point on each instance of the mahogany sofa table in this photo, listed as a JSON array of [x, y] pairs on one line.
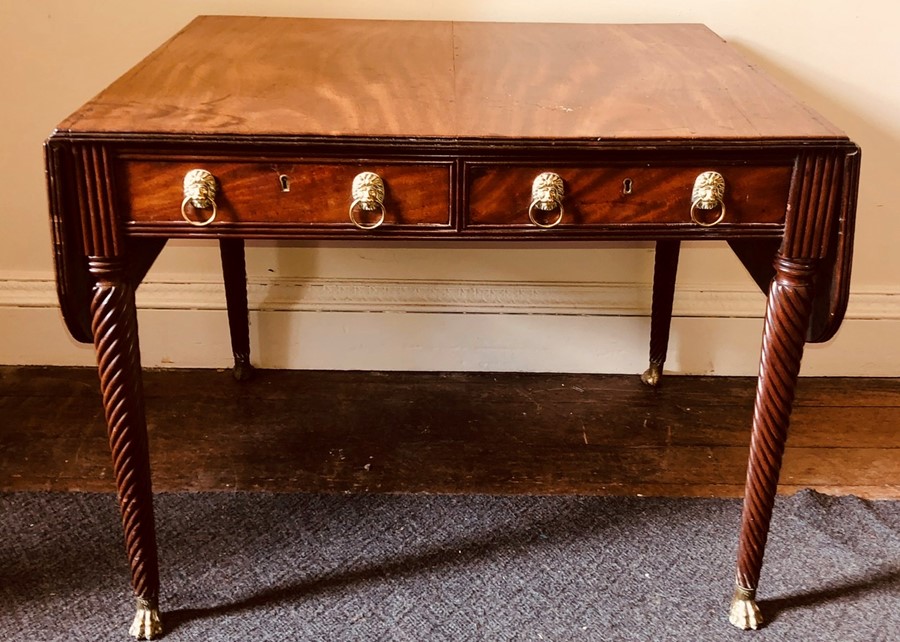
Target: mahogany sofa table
[[282, 128]]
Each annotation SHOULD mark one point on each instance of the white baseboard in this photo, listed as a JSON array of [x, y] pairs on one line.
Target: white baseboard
[[388, 324]]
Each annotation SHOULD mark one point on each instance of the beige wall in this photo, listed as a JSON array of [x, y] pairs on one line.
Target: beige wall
[[840, 57]]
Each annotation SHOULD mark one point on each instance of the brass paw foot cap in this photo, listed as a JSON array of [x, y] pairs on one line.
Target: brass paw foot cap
[[146, 625], [744, 612], [652, 374]]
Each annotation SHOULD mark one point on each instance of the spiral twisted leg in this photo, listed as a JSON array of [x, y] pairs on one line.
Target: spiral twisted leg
[[784, 335], [664, 269], [114, 327], [234, 273]]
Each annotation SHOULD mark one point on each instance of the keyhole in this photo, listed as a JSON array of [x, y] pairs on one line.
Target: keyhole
[[285, 183], [627, 185]]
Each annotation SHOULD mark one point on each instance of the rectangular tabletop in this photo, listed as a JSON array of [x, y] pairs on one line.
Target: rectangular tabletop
[[449, 80]]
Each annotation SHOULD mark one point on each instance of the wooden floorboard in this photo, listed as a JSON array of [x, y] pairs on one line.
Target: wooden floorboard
[[448, 433]]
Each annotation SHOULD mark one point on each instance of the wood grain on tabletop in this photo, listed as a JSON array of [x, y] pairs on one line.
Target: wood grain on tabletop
[[316, 77]]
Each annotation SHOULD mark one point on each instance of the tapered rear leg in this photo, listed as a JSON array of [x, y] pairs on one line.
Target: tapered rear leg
[[664, 271], [234, 273]]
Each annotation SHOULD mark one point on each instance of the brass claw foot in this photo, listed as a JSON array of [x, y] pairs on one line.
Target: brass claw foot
[[146, 625], [652, 374], [744, 612]]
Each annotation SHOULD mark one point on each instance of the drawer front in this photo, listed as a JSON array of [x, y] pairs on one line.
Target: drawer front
[[314, 194], [500, 196]]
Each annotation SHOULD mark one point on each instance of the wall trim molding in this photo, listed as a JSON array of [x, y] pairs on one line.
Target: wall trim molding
[[449, 296], [338, 324]]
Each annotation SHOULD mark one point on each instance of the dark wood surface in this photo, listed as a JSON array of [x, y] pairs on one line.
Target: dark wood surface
[[595, 195], [448, 80], [468, 433], [319, 192]]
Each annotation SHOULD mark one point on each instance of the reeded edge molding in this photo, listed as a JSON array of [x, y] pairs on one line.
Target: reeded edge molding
[[449, 296]]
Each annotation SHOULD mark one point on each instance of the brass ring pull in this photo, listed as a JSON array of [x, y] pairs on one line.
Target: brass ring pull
[[363, 226], [200, 192], [697, 205], [553, 223], [367, 192], [708, 194], [187, 218], [546, 195]]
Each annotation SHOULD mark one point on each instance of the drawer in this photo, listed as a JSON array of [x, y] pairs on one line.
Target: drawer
[[314, 194], [500, 196]]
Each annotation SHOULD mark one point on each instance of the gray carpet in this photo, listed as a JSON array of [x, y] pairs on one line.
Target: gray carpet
[[420, 568]]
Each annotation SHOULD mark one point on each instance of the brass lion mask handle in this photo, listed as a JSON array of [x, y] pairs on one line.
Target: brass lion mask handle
[[367, 192], [708, 194], [200, 194], [546, 195]]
